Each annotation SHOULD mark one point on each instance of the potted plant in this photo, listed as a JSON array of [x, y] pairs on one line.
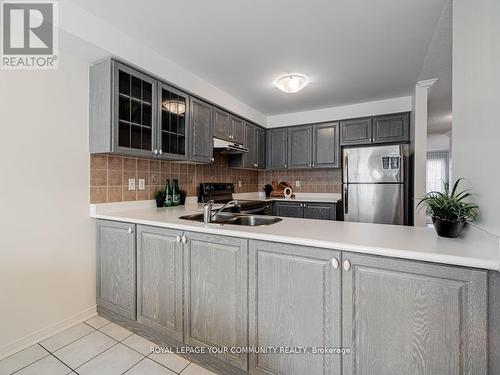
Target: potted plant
[[160, 198], [268, 189], [449, 210]]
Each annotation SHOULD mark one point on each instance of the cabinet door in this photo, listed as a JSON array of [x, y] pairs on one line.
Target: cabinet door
[[320, 211], [250, 158], [116, 267], [404, 317], [289, 209], [391, 128], [134, 113], [325, 146], [221, 124], [277, 152], [237, 130], [159, 280], [356, 132], [216, 301], [173, 119], [261, 148], [294, 301], [202, 143], [300, 147]]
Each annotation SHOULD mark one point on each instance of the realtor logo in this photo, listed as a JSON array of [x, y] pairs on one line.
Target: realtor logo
[[29, 35]]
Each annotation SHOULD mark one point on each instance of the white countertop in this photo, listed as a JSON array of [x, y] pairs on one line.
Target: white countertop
[[476, 248]]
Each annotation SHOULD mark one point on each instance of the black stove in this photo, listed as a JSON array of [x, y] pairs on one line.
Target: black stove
[[223, 193]]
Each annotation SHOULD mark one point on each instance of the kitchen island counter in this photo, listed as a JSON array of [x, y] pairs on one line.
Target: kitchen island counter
[[476, 248]]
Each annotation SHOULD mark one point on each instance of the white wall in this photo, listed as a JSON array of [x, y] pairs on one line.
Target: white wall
[[378, 107], [439, 142], [476, 98], [47, 248]]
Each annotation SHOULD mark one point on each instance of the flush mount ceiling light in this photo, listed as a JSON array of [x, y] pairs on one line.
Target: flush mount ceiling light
[[292, 83], [177, 107]]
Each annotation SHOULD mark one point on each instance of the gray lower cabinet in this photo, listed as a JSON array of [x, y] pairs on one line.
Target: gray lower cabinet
[[294, 301], [215, 294], [391, 128], [319, 211], [202, 143], [116, 267], [159, 280], [405, 317], [325, 146], [288, 209], [300, 147], [277, 148]]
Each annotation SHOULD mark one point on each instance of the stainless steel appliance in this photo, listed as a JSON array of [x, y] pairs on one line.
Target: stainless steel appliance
[[374, 184], [223, 193], [230, 148]]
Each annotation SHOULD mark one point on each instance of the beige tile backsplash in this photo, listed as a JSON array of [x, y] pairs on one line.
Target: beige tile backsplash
[[109, 176]]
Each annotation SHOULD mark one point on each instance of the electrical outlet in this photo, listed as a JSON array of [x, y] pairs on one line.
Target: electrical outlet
[[239, 183], [297, 183], [131, 183], [142, 184]]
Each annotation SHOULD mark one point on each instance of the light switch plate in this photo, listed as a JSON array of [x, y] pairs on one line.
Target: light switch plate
[[297, 183], [131, 183], [239, 183], [142, 184]]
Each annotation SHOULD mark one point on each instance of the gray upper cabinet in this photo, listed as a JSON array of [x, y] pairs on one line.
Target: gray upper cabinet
[[325, 146], [123, 110], [404, 317], [116, 268], [202, 143], [391, 128], [294, 302], [221, 124], [356, 132], [300, 147], [215, 294], [173, 121], [250, 159], [261, 148], [237, 129], [319, 211], [277, 148], [159, 280]]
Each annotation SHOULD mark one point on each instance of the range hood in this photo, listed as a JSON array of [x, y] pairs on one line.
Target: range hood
[[229, 147]]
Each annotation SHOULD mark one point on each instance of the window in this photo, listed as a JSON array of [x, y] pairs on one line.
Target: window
[[437, 170]]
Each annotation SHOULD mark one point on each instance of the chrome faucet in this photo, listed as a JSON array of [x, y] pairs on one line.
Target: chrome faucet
[[208, 213]]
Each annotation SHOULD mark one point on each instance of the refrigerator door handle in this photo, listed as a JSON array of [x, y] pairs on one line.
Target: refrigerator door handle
[[346, 199], [346, 165]]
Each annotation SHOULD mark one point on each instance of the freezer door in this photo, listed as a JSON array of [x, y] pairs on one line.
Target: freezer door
[[373, 164], [374, 203]]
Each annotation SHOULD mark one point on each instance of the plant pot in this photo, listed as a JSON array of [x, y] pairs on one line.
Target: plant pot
[[447, 228], [160, 202]]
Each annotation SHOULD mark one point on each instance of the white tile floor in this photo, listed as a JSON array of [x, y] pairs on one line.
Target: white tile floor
[[96, 347]]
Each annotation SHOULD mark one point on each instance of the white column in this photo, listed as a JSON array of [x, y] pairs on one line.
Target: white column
[[421, 97]]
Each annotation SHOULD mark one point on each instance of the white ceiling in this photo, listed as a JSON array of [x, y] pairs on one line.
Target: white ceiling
[[352, 50]]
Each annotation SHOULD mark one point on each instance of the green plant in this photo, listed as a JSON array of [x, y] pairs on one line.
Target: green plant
[[450, 205]]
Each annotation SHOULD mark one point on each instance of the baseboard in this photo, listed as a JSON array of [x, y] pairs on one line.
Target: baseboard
[[46, 332]]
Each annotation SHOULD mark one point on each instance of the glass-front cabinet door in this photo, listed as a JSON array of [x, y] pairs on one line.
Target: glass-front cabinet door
[[135, 97], [173, 119]]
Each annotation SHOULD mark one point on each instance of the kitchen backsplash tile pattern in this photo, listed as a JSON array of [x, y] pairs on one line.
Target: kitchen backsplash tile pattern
[[109, 177], [310, 180]]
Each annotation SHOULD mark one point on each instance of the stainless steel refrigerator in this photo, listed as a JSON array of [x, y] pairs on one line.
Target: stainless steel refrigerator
[[373, 184]]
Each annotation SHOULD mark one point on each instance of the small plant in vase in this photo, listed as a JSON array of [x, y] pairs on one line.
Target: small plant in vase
[[449, 210], [160, 198]]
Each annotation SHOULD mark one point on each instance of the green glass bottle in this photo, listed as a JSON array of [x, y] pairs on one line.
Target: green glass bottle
[[168, 194], [176, 196]]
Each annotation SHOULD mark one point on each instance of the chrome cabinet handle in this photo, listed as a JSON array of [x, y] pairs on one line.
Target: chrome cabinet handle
[[335, 263], [161, 151], [155, 151], [130, 230], [184, 240], [178, 239], [212, 159], [347, 265], [310, 165]]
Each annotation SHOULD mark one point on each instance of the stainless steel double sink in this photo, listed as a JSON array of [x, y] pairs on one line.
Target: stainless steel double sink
[[235, 219]]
